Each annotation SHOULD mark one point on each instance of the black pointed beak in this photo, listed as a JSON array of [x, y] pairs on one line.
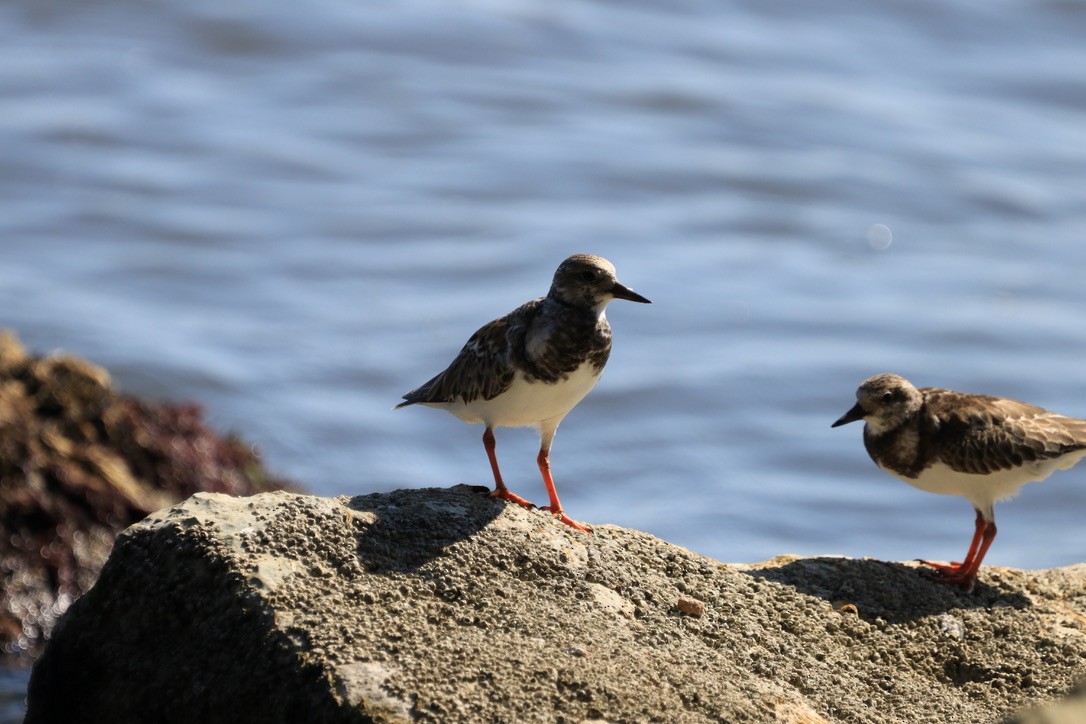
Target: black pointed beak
[[620, 292], [856, 413]]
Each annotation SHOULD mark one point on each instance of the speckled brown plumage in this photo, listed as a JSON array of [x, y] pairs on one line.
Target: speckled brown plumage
[[976, 434], [482, 370], [532, 366], [489, 360], [980, 447]]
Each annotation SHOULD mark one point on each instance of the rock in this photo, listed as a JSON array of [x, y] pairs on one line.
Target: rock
[[690, 606], [447, 605], [1071, 710], [80, 462]]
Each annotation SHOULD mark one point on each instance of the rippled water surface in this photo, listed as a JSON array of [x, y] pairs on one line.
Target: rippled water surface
[[12, 692], [293, 214]]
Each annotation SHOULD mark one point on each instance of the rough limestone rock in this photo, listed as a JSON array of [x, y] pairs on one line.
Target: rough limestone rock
[[79, 463], [1071, 710], [446, 605]]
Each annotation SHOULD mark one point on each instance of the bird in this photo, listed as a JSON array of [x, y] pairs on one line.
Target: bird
[[981, 447], [532, 366]]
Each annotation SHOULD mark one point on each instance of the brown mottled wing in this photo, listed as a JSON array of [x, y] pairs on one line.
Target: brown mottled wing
[[483, 369], [981, 434]]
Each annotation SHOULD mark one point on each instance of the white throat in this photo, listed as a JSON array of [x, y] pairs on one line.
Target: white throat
[[877, 427]]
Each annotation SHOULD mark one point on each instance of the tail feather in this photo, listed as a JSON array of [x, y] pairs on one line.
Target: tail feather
[[422, 393], [413, 397]]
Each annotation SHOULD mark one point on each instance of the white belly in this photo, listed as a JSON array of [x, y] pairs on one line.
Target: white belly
[[528, 403], [983, 491]]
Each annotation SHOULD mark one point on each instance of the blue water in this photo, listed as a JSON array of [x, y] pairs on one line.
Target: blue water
[[13, 681], [293, 214]]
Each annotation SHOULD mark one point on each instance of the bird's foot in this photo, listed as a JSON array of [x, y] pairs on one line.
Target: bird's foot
[[954, 574], [949, 568], [506, 494], [562, 517], [965, 580]]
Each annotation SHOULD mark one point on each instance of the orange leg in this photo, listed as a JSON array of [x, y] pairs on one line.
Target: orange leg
[[544, 462], [968, 577], [978, 533], [500, 491], [965, 573]]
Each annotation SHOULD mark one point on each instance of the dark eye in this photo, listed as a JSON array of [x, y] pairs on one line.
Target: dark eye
[[588, 276], [888, 397]]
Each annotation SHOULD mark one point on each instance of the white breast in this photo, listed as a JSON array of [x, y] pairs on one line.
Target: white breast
[[983, 491], [529, 403]]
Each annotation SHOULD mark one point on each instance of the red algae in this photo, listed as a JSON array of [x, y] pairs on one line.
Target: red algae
[[79, 463]]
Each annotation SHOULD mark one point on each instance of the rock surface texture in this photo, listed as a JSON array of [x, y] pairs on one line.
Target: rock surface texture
[[79, 463], [445, 605]]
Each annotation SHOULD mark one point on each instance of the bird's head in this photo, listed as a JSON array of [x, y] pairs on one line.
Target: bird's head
[[584, 280], [883, 402]]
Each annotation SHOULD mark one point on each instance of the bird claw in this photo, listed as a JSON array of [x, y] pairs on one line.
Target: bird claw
[[965, 581], [954, 567], [954, 574], [512, 497], [562, 517]]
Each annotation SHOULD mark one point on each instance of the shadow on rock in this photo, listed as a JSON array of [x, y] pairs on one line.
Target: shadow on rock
[[895, 592], [411, 529]]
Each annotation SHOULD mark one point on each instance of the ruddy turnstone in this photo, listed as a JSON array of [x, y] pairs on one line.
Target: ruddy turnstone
[[530, 367], [981, 447]]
